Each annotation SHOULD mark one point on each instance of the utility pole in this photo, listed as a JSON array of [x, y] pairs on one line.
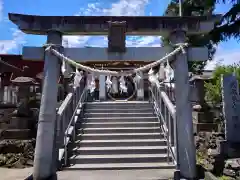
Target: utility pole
[[180, 7]]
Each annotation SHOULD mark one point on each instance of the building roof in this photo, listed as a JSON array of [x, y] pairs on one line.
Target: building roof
[[206, 75], [34, 67]]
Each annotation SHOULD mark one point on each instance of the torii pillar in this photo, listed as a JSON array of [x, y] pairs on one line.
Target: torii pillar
[[45, 152], [184, 124]]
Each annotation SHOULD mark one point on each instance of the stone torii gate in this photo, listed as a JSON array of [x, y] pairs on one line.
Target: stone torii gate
[[56, 26]]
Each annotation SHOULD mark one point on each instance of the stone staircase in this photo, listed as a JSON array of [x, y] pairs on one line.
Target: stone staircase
[[119, 135]]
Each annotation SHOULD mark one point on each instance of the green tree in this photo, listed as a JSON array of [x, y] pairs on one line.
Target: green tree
[[229, 25], [213, 88], [191, 7], [194, 8]]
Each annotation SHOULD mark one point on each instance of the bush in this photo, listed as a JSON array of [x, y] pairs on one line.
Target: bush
[[213, 88]]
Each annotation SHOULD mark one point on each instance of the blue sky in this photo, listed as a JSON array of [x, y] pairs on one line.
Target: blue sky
[[12, 40]]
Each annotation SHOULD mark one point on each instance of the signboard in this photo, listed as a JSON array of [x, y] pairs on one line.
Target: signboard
[[231, 107]]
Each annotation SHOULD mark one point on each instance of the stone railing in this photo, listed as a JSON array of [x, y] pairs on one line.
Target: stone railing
[[67, 115], [166, 113]]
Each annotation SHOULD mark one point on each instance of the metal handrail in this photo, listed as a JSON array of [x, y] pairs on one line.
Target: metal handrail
[[67, 116], [166, 113]]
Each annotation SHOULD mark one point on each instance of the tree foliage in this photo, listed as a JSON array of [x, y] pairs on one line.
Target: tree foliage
[[191, 7], [229, 25], [194, 8], [213, 88]]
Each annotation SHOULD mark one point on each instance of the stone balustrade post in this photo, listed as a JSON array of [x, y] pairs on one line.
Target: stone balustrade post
[[102, 87], [140, 88]]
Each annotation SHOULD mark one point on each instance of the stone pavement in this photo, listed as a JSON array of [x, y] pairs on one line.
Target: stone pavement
[[15, 174], [147, 174]]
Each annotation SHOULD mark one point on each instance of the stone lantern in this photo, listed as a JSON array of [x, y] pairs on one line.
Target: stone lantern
[[24, 94], [203, 118]]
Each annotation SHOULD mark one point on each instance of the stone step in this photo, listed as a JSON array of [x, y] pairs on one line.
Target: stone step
[[117, 102], [121, 130], [121, 142], [117, 105], [118, 166], [121, 119], [117, 114], [103, 110], [118, 158], [120, 150], [119, 135], [116, 136], [119, 124]]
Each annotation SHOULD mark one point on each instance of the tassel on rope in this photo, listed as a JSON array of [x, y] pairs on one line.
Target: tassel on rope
[[63, 67], [114, 85], [137, 78], [161, 73], [152, 77], [109, 82], [77, 78], [123, 86], [92, 84], [169, 72]]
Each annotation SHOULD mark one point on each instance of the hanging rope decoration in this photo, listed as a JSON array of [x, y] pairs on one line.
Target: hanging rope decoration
[[108, 82], [165, 74], [114, 88], [161, 72], [92, 85], [169, 72], [137, 79], [180, 47], [77, 78], [63, 67], [152, 77], [123, 87]]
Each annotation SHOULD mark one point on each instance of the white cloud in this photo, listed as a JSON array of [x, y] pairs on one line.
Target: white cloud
[[15, 43], [75, 41], [120, 8], [225, 57], [127, 8], [17, 36], [137, 41]]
